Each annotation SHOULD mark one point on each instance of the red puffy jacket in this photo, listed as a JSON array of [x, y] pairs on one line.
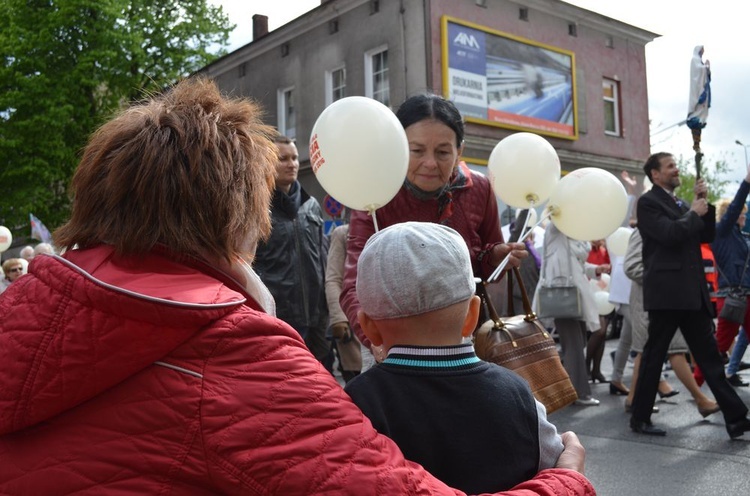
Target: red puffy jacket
[[124, 376]]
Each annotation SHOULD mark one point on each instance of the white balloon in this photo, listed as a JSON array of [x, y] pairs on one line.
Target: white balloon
[[588, 203], [603, 306], [617, 242], [359, 152], [524, 169], [594, 283], [6, 238], [604, 280]]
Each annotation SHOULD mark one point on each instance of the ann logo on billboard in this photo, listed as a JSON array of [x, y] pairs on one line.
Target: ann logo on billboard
[[466, 40]]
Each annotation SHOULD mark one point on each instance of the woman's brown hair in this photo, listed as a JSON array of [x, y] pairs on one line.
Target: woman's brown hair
[[188, 169]]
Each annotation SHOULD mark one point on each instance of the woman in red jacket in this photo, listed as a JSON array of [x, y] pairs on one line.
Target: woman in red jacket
[[146, 359], [439, 188]]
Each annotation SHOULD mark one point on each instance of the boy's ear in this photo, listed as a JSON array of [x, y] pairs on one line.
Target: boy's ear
[[369, 328], [472, 315]]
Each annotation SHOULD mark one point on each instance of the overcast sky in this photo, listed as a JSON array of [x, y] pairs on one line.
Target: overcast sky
[[719, 25]]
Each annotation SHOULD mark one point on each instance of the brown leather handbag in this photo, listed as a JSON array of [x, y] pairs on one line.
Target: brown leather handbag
[[522, 344]]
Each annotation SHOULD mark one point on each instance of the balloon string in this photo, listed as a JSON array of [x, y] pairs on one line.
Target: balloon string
[[371, 212], [499, 269]]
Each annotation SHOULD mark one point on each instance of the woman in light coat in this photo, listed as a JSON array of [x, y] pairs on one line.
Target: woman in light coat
[[564, 260]]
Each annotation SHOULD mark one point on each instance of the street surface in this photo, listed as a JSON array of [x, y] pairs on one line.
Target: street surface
[[695, 458]]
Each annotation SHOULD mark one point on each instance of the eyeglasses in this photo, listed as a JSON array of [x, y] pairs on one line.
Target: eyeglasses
[[16, 269]]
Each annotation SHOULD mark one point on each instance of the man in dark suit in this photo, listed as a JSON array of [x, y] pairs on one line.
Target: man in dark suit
[[675, 293]]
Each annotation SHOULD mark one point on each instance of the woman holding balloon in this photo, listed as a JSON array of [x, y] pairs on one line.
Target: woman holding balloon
[[438, 188]]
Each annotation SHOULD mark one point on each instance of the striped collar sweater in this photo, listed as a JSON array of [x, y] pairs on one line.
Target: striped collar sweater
[[474, 425]]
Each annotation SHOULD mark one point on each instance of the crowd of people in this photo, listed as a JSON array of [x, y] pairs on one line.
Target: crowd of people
[[185, 338], [147, 357], [14, 267]]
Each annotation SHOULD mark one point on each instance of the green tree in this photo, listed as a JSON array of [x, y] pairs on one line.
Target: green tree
[[66, 66], [712, 174]]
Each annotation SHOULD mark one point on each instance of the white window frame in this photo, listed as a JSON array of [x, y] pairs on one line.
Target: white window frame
[[329, 83], [281, 108], [614, 101], [370, 74]]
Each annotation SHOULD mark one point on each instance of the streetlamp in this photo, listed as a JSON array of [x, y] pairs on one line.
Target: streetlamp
[[745, 147]]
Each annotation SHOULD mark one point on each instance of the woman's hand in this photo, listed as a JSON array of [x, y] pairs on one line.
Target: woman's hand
[[341, 332], [603, 269], [573, 456], [516, 251], [630, 183]]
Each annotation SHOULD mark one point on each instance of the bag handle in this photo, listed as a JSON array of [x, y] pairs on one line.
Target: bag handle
[[498, 325]]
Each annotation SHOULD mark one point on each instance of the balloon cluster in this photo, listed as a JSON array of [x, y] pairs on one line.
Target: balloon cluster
[[360, 154], [586, 204]]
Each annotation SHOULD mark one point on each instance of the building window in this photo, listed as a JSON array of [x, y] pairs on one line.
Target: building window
[[482, 3], [611, 95], [333, 26], [335, 85], [285, 49], [609, 41], [242, 70], [573, 29], [374, 6], [523, 14], [376, 75], [287, 114]]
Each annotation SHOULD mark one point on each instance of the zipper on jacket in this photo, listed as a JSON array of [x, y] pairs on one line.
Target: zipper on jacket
[[295, 224]]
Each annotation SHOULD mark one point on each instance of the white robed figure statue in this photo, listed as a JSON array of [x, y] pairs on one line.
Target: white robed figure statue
[[700, 95]]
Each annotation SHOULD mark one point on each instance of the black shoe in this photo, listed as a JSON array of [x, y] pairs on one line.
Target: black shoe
[[743, 365], [736, 381], [618, 389], [648, 428], [598, 377], [673, 392], [736, 429]]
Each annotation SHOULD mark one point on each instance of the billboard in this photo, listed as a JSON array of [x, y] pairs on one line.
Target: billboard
[[498, 79]]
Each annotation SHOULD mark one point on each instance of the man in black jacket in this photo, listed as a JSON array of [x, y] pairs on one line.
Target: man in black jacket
[[675, 293], [292, 261]]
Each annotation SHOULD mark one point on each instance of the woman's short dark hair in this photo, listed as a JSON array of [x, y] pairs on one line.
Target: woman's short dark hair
[[188, 169], [429, 106], [654, 162]]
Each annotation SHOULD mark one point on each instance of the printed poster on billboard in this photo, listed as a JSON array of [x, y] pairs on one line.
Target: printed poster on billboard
[[498, 79]]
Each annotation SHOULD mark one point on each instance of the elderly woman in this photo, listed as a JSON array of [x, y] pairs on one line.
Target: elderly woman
[[146, 359], [731, 248], [438, 188], [12, 270]]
